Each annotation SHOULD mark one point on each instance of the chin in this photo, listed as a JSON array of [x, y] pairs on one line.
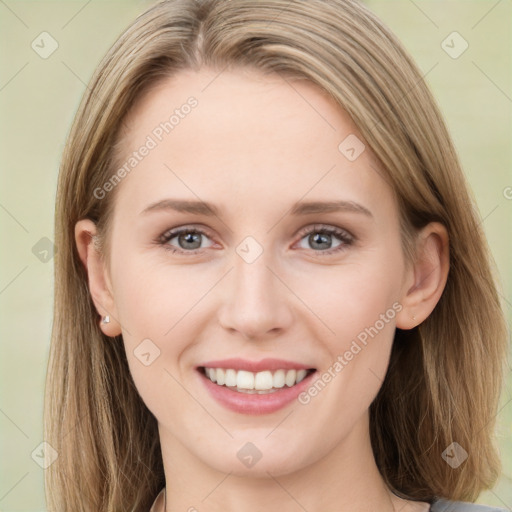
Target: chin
[[252, 459]]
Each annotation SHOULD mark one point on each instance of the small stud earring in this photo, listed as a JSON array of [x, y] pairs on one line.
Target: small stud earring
[[106, 319]]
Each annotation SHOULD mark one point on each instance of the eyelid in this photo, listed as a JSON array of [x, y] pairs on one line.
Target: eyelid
[[327, 228], [172, 232]]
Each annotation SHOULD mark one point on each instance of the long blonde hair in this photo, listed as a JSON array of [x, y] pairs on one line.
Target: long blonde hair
[[444, 377]]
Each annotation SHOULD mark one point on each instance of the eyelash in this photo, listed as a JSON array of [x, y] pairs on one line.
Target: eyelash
[[346, 238]]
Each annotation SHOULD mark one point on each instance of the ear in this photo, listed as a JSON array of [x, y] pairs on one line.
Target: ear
[[426, 278], [97, 275]]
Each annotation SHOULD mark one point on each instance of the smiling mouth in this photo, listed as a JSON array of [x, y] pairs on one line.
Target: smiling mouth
[[262, 383]]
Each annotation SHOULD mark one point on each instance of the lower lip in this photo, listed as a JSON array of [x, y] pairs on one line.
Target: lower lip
[[254, 403]]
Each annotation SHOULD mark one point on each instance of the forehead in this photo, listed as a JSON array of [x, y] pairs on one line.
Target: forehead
[[243, 135]]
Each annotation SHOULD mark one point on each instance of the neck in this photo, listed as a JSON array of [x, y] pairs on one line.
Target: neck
[[345, 480]]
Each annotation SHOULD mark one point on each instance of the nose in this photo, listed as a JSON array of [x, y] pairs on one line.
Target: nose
[[255, 302]]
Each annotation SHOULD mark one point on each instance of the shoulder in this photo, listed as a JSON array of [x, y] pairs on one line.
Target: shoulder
[[441, 505]]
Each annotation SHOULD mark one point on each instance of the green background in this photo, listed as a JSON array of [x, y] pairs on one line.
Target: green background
[[38, 99]]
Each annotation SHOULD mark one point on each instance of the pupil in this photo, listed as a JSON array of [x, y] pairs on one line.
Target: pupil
[[191, 238], [322, 239]]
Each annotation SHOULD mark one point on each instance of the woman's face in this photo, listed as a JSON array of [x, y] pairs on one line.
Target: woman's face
[[298, 259]]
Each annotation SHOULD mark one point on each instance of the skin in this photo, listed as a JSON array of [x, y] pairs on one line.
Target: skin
[[254, 146]]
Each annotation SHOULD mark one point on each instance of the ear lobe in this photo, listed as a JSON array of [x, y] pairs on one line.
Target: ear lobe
[[427, 276], [97, 276]]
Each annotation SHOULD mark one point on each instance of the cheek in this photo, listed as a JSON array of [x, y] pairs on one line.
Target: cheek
[[355, 366], [357, 305], [153, 314], [349, 298], [159, 307], [153, 299]]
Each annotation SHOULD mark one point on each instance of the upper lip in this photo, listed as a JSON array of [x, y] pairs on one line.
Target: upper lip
[[255, 366]]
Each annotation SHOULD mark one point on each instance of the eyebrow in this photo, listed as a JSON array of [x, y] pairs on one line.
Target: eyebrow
[[299, 208]]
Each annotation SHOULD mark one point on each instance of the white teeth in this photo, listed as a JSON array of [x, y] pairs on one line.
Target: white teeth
[[230, 377], [263, 380], [220, 374], [291, 378], [301, 374], [244, 380], [251, 382], [279, 378]]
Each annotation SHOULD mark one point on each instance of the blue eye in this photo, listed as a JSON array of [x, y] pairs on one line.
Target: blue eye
[[189, 239], [319, 237]]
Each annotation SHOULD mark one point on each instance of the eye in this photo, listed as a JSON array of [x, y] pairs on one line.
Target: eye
[[321, 238], [187, 238]]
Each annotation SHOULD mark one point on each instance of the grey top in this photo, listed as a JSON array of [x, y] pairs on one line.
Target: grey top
[[441, 505]]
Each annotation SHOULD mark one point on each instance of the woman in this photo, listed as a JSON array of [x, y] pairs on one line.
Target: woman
[[272, 288]]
